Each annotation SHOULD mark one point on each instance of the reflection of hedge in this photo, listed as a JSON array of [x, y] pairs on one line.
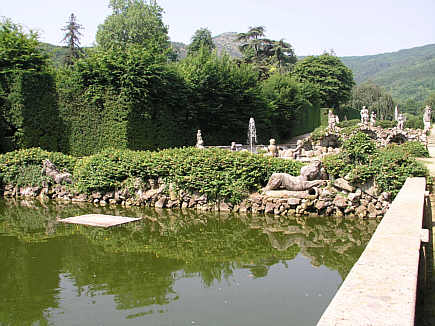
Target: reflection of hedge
[[30, 113]]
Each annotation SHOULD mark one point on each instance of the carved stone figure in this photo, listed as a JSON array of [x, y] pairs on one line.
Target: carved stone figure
[[331, 120], [50, 170], [427, 117], [199, 141], [272, 148], [400, 121], [297, 152], [314, 171], [373, 118], [364, 115], [233, 146], [300, 183]]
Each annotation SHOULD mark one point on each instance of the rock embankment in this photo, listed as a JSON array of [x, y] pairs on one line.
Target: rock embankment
[[337, 198]]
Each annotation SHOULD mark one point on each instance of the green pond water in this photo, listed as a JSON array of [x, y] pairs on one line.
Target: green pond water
[[171, 268]]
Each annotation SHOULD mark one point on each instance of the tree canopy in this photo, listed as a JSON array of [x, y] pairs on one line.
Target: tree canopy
[[72, 39], [201, 39], [133, 22], [375, 98], [266, 54], [334, 79]]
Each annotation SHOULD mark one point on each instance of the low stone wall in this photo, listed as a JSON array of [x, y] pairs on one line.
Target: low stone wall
[[381, 288], [337, 198]]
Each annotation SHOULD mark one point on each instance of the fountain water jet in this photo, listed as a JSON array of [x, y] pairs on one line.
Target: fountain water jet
[[252, 134]]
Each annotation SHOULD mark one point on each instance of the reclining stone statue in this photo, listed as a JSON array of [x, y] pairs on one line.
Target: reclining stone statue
[[50, 170], [311, 176]]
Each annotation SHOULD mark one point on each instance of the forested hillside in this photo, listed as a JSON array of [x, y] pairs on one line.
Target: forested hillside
[[409, 75]]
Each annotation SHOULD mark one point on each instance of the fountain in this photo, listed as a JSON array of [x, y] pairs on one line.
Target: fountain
[[252, 134]]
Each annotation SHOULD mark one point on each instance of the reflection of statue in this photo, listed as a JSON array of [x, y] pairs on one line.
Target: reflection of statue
[[373, 119], [427, 117], [299, 183], [364, 115], [400, 121], [272, 148], [199, 141]]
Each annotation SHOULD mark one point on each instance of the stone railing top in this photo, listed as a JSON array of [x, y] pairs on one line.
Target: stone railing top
[[381, 287]]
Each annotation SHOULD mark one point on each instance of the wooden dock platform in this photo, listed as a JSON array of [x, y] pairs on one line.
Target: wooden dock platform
[[99, 220]]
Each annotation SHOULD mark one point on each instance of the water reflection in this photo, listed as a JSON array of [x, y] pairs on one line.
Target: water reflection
[[49, 267]]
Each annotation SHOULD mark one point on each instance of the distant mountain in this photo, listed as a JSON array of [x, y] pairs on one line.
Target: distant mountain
[[407, 74], [224, 42]]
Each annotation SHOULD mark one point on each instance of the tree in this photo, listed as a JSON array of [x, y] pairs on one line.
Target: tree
[[266, 54], [201, 38], [334, 79], [375, 98], [133, 22], [71, 38]]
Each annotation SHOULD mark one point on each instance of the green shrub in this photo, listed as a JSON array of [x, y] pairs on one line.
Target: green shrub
[[415, 149], [319, 133], [389, 167], [386, 124], [218, 173], [348, 123], [19, 166], [358, 148]]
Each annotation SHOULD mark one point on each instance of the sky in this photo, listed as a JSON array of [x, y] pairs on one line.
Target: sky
[[349, 27]]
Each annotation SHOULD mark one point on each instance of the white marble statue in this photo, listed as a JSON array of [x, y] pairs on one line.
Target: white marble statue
[[364, 115], [373, 118], [331, 120], [427, 117], [199, 141], [400, 121]]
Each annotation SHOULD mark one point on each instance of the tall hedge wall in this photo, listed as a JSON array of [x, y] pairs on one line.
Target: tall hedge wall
[[30, 116]]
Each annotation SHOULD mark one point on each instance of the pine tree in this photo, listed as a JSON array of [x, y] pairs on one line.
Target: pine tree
[[71, 38]]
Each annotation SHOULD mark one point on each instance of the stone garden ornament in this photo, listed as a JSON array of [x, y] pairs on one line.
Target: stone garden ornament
[[427, 117]]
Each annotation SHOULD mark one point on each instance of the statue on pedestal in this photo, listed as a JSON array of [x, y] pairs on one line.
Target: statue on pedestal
[[199, 141], [427, 117], [272, 148], [364, 116], [400, 121]]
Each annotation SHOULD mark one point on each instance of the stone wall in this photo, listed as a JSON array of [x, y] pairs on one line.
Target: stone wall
[[337, 198]]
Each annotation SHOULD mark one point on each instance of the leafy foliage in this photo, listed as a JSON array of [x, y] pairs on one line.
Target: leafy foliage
[[332, 77], [136, 22], [217, 173], [221, 91], [386, 123], [24, 167], [267, 55], [290, 104], [408, 75], [28, 108], [201, 39], [388, 167], [72, 39], [374, 98]]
